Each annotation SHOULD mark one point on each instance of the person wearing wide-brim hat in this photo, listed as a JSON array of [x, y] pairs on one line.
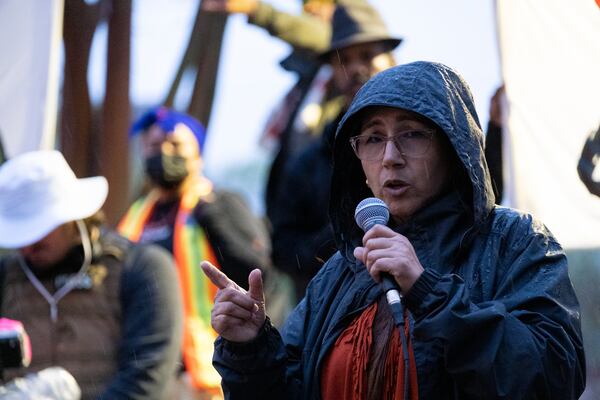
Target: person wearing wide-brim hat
[[360, 40], [302, 238], [90, 301]]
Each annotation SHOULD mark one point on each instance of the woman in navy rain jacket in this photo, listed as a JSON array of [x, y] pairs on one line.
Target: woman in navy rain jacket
[[491, 311]]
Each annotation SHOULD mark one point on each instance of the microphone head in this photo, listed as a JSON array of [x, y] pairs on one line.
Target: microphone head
[[370, 212]]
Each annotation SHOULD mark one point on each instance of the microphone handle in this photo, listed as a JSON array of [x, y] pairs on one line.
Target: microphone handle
[[393, 296]]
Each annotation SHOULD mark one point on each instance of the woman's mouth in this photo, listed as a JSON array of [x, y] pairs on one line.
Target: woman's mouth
[[395, 187]]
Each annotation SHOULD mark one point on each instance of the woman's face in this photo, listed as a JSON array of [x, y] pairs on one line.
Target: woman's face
[[405, 182]]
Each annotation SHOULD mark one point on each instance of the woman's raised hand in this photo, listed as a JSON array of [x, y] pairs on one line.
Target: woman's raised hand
[[384, 250], [237, 314]]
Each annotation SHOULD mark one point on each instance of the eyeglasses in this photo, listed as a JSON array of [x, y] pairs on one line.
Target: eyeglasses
[[410, 143]]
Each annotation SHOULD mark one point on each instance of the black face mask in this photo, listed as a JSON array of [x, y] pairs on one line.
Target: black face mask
[[166, 171]]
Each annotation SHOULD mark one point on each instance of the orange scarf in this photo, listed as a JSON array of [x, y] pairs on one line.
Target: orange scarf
[[345, 370]]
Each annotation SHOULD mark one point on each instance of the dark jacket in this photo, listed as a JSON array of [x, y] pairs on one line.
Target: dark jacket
[[302, 236], [494, 315]]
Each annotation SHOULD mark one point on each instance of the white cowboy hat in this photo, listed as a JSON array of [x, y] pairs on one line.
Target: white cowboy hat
[[39, 192]]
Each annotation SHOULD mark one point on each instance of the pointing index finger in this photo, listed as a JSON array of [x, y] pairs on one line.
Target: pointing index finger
[[218, 278]]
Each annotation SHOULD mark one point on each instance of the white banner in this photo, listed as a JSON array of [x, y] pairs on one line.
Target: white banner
[[550, 52], [30, 38]]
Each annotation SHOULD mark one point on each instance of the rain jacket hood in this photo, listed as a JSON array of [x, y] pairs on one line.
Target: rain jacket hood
[[432, 90]]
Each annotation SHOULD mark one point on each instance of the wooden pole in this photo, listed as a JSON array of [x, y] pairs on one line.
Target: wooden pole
[[76, 121], [207, 62], [113, 143], [202, 57]]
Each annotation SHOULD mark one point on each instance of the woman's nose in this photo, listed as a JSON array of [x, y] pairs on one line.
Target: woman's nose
[[392, 156]]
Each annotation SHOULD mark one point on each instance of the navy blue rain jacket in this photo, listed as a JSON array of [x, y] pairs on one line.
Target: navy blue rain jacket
[[494, 315]]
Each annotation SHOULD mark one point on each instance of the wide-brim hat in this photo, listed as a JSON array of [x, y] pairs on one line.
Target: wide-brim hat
[[39, 192], [357, 22]]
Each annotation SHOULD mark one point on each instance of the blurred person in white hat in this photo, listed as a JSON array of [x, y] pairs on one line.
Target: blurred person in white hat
[[106, 310]]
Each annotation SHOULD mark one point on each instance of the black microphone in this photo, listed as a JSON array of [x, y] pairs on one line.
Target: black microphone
[[370, 212]]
